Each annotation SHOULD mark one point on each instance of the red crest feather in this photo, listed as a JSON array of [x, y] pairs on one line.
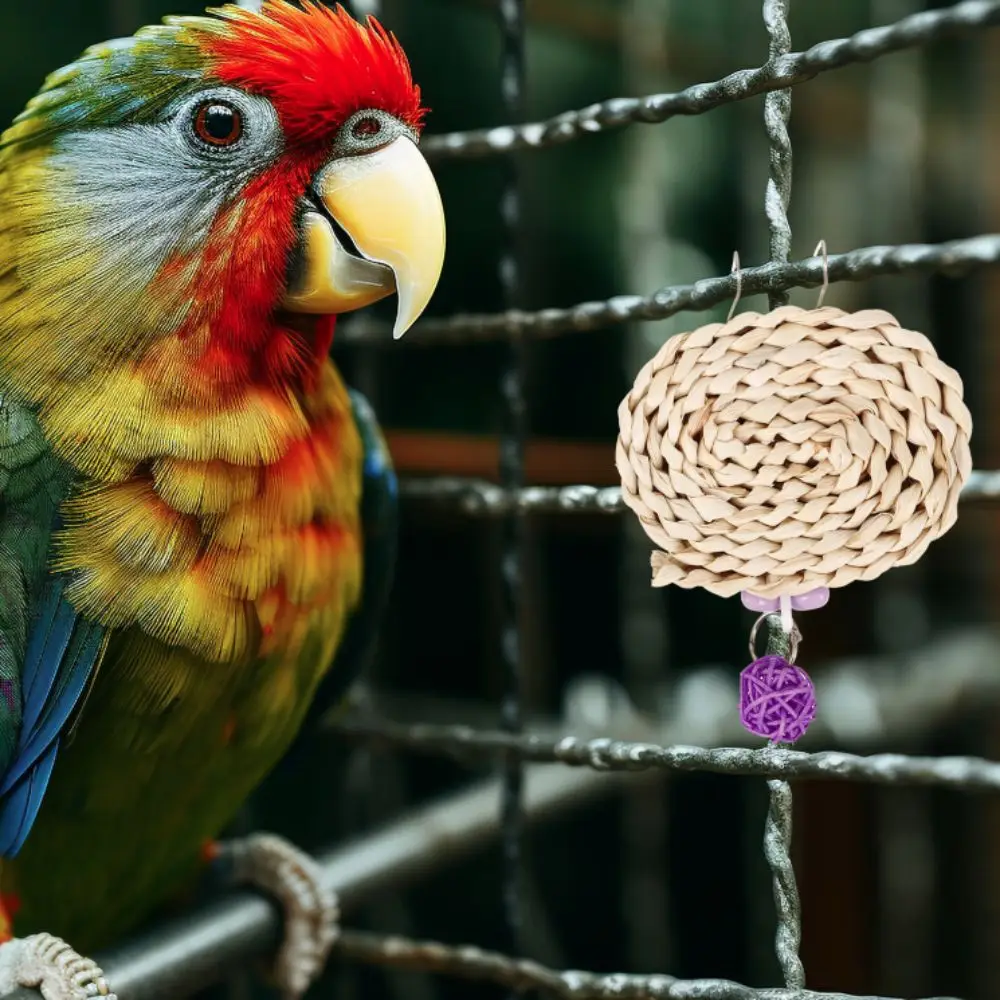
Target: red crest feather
[[316, 64]]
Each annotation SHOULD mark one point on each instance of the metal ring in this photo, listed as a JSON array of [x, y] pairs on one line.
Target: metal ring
[[821, 248], [737, 271], [794, 637]]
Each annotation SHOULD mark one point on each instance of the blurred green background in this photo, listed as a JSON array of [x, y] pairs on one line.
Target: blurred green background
[[900, 888]]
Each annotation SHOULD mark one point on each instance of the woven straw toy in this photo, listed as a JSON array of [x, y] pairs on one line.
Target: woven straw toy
[[782, 455]]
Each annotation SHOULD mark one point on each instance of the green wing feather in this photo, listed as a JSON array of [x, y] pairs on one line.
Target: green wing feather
[[32, 483], [48, 654]]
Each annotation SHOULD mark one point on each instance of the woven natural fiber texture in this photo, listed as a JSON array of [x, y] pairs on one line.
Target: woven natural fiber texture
[[800, 449]]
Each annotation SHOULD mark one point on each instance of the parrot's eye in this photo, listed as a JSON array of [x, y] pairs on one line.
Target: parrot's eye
[[218, 124], [366, 128]]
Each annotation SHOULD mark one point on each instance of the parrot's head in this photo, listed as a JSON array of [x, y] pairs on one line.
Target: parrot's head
[[229, 182]]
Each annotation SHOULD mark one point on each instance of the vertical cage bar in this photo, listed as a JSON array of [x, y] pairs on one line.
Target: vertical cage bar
[[778, 827], [648, 256], [777, 110], [777, 840], [778, 852], [512, 445]]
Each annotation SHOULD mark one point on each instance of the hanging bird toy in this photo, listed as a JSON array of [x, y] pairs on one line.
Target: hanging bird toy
[[779, 456]]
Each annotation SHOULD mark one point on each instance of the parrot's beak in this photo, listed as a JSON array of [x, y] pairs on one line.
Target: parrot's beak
[[374, 225]]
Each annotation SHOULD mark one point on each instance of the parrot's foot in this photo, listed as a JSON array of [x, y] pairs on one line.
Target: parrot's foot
[[280, 869], [48, 964]]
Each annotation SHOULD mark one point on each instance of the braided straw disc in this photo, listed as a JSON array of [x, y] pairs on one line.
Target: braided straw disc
[[801, 449]]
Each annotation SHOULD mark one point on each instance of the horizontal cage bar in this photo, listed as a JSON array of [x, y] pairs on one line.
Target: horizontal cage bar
[[797, 67], [480, 498], [602, 754], [954, 258]]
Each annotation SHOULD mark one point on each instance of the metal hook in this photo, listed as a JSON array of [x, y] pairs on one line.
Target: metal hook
[[794, 638], [821, 248], [735, 269]]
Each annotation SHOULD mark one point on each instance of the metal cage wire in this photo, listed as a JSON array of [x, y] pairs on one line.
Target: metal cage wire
[[200, 947], [511, 500]]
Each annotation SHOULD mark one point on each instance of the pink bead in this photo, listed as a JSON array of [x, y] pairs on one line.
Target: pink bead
[[809, 601]]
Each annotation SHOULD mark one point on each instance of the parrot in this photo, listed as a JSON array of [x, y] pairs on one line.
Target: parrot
[[193, 503]]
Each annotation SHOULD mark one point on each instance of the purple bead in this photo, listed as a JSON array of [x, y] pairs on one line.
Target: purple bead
[[777, 699], [810, 601]]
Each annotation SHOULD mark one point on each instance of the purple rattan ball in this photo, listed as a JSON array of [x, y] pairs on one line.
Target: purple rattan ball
[[777, 699]]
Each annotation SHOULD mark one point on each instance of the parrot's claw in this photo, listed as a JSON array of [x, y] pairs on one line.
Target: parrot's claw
[[280, 869], [49, 964]]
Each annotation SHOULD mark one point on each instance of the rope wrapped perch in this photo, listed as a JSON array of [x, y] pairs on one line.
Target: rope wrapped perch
[[785, 452]]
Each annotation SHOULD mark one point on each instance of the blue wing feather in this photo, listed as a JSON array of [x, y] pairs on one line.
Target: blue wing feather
[[21, 806], [62, 652], [47, 644], [75, 670]]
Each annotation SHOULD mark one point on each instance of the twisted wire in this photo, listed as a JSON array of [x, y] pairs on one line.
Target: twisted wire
[[778, 851], [480, 498], [778, 825], [965, 774], [954, 258], [512, 446], [788, 70], [521, 975], [777, 111]]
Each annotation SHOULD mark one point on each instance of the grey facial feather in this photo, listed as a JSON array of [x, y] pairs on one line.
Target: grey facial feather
[[149, 193]]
